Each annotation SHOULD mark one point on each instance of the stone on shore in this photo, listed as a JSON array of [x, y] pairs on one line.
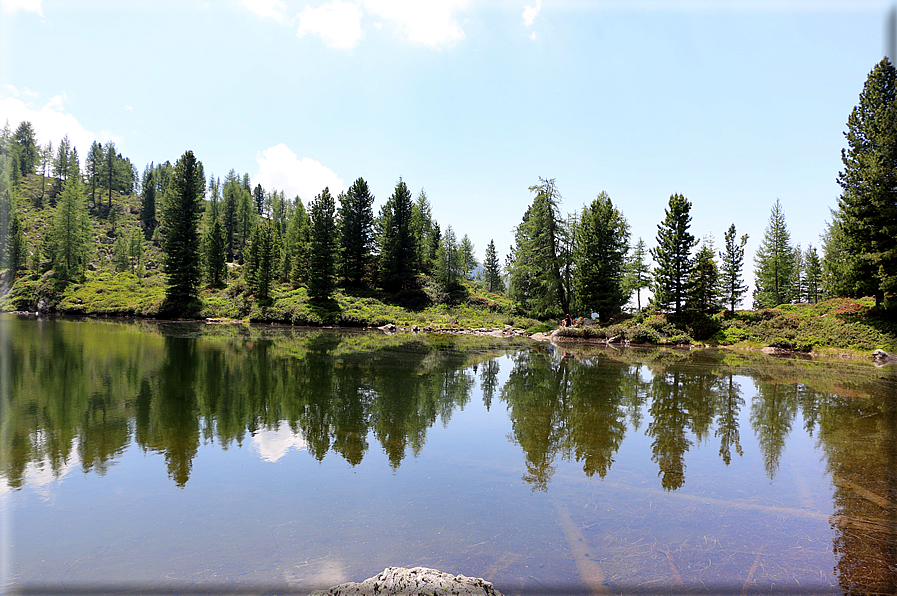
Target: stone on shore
[[418, 581]]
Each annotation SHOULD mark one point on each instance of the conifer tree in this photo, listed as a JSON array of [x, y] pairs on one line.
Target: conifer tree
[[867, 207], [71, 231], [638, 272], [599, 256], [703, 284], [774, 263], [469, 261], [216, 255], [492, 270], [261, 260], [28, 150], [180, 220], [423, 228], [449, 261], [732, 287], [94, 166], [398, 249], [324, 247], [673, 255], [299, 245], [534, 263], [813, 274], [258, 197], [148, 201], [356, 221]]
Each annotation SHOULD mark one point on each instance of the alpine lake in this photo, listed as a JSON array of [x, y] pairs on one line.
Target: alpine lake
[[193, 458]]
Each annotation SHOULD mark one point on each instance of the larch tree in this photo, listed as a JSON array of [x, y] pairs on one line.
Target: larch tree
[[704, 280], [673, 255], [534, 263], [774, 266], [731, 282], [261, 259], [180, 220], [70, 231], [599, 256], [813, 271], [449, 261], [867, 207]]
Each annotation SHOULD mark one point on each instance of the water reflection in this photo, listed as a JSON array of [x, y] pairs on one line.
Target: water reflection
[[81, 394]]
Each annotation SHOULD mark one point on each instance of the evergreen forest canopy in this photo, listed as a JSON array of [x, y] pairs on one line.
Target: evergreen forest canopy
[[209, 232]]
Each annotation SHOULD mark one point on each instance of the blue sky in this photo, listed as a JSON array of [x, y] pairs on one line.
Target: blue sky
[[732, 103]]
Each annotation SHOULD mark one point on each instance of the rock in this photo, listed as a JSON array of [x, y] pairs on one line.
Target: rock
[[775, 351], [418, 581], [389, 328], [881, 355], [43, 304], [415, 329]]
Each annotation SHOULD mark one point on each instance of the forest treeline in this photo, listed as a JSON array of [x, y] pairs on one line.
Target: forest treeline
[[209, 232]]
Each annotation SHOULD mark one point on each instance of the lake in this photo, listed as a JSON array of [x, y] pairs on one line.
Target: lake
[[183, 457]]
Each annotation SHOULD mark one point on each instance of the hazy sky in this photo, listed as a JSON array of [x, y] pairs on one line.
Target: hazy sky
[[731, 103]]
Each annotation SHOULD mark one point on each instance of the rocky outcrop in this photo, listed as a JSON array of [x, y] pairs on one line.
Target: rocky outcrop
[[418, 581]]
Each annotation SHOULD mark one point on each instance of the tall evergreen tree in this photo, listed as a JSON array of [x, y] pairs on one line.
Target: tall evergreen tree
[[813, 274], [673, 255], [469, 261], [423, 228], [492, 270], [398, 249], [94, 166], [71, 231], [599, 256], [703, 284], [62, 163], [231, 200], [534, 263], [258, 198], [216, 255], [148, 201], [28, 149], [449, 262], [47, 156], [774, 263], [356, 221], [732, 287], [324, 247], [261, 259], [298, 245], [867, 207], [638, 272], [180, 220]]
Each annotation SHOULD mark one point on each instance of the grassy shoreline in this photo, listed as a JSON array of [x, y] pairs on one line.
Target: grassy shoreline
[[838, 327]]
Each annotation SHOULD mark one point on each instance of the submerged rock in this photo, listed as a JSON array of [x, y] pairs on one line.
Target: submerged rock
[[418, 581]]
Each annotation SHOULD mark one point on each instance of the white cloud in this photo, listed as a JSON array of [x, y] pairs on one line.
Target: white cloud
[[432, 23], [50, 121], [531, 12], [273, 9], [337, 23], [11, 6], [271, 445], [280, 169]]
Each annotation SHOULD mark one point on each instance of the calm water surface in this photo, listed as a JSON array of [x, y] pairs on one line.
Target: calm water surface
[[191, 458]]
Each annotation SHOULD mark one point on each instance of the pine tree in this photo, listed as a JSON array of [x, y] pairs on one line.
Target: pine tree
[[492, 270], [867, 207], [423, 228], [398, 249], [258, 196], [180, 220], [732, 287], [261, 260], [599, 256], [216, 255], [774, 263], [28, 149], [356, 231], [673, 255], [94, 165], [799, 291], [638, 272], [148, 201], [299, 245], [703, 284], [324, 247]]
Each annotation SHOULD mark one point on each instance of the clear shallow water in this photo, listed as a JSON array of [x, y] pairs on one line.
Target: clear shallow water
[[194, 458]]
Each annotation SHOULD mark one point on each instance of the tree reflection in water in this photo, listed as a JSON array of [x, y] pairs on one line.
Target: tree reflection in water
[[86, 391]]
